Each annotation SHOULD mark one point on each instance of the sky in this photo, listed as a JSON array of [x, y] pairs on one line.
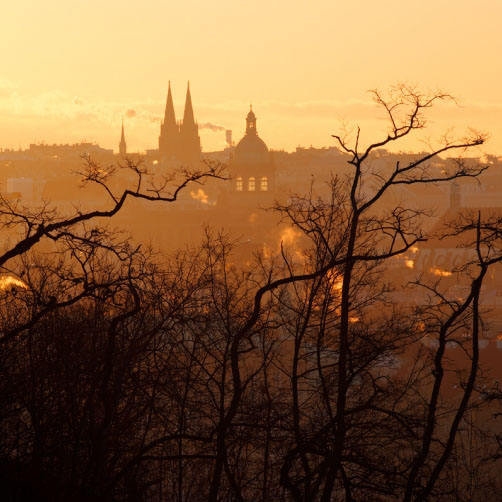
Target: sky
[[70, 71]]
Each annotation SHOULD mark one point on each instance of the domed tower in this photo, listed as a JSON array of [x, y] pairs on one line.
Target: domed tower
[[251, 167]]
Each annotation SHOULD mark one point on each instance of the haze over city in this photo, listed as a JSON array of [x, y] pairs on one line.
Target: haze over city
[[251, 251], [71, 71]]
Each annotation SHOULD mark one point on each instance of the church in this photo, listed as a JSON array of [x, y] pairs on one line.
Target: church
[[250, 165], [179, 141]]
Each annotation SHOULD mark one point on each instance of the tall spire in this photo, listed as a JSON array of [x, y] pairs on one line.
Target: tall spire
[[169, 117], [122, 144], [189, 134], [169, 130], [188, 117]]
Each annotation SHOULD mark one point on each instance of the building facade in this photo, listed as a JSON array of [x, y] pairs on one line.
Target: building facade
[[251, 166]]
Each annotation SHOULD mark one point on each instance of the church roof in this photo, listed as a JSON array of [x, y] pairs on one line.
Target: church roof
[[251, 149]]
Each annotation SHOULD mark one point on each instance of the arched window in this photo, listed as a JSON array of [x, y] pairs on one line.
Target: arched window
[[251, 184], [238, 183], [264, 184]]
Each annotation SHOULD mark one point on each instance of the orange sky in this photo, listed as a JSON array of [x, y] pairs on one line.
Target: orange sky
[[71, 70]]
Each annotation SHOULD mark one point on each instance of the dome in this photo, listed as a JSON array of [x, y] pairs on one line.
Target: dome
[[251, 150]]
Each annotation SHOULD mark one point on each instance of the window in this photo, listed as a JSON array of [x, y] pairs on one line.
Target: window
[[238, 183], [264, 184], [251, 184]]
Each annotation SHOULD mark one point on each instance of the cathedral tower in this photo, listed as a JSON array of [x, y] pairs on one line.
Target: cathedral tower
[[169, 138], [189, 134]]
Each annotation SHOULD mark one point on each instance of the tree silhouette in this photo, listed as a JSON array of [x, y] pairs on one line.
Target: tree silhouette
[[129, 376]]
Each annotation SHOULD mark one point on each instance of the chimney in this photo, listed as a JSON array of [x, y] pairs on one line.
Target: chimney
[[455, 196]]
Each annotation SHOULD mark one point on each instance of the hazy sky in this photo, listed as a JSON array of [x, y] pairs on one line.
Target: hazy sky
[[71, 70]]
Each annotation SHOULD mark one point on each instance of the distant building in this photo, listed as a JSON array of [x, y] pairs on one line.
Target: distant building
[[65, 152], [251, 167], [22, 187], [179, 141]]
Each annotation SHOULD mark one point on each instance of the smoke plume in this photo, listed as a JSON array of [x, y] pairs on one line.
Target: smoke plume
[[212, 127]]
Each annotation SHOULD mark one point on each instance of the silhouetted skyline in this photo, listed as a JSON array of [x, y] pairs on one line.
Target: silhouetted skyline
[[76, 70]]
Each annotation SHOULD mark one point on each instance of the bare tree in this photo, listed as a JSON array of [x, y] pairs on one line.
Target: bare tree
[[27, 227], [196, 379], [349, 236]]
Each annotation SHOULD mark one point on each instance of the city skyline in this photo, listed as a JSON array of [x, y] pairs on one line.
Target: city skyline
[[305, 70], [192, 308]]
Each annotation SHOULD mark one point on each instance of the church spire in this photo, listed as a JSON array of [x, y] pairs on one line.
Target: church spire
[[189, 134], [169, 117], [169, 130], [188, 117], [122, 144]]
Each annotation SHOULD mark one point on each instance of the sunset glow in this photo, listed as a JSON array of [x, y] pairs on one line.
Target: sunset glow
[[260, 243], [409, 263], [440, 272], [80, 67], [8, 281], [199, 195]]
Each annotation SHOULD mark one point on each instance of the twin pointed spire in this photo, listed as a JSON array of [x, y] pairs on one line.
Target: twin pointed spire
[[179, 140], [169, 115]]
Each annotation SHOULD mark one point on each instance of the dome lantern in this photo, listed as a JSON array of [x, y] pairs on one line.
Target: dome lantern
[[251, 150], [251, 121]]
